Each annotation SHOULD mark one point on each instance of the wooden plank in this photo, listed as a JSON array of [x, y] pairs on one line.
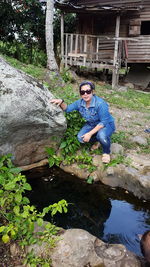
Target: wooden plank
[[71, 48], [77, 55], [76, 44], [97, 48], [85, 49]]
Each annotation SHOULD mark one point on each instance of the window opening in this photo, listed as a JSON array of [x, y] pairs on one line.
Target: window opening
[[145, 28]]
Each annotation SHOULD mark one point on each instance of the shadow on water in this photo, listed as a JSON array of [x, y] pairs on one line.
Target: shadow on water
[[113, 215]]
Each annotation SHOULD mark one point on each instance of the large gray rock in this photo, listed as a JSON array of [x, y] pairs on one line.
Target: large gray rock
[[27, 119], [77, 247]]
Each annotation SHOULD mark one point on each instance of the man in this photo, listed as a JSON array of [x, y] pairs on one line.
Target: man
[[99, 124]]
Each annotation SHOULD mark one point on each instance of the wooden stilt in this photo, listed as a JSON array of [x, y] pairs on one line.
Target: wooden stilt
[[115, 75]]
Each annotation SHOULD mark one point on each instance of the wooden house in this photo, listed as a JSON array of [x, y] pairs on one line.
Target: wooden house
[[110, 34]]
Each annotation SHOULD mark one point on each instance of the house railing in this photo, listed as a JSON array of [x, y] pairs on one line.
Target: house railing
[[92, 51]]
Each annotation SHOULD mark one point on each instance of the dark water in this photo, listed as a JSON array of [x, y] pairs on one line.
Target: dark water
[[112, 215]]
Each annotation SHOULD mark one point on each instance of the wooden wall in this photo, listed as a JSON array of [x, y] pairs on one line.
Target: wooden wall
[[105, 25]]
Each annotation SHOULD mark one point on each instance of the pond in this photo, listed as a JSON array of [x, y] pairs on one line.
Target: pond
[[113, 215]]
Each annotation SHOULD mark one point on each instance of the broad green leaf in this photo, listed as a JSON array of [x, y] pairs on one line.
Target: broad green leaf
[[62, 145], [50, 151], [51, 162], [13, 233], [25, 200], [59, 208], [18, 197], [2, 229], [65, 209], [15, 170], [40, 222], [5, 238], [27, 186], [16, 210], [9, 186]]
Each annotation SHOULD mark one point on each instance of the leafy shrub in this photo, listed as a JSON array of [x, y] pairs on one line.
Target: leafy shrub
[[70, 144], [17, 216]]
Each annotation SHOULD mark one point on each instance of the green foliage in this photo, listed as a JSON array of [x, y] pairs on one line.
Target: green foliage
[[90, 180], [17, 50], [52, 157], [23, 21], [70, 144], [34, 261], [66, 75], [118, 160], [118, 137], [17, 216], [35, 71]]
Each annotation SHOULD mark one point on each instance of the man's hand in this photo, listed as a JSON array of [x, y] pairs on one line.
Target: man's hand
[[86, 137], [57, 102]]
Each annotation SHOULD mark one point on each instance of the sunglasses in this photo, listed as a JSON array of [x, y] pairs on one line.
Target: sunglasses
[[82, 92]]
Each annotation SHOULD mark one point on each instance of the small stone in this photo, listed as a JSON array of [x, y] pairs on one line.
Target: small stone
[[117, 149], [139, 140]]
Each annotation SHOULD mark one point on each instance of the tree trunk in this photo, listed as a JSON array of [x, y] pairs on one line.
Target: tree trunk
[[51, 61]]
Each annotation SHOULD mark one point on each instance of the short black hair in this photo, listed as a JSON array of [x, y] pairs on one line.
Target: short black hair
[[87, 83]]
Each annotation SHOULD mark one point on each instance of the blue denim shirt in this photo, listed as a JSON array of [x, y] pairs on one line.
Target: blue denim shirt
[[97, 114]]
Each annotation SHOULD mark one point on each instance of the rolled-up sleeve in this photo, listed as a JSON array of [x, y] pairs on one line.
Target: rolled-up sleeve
[[73, 106]]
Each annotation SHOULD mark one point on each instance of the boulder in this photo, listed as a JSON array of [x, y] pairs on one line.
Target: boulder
[[117, 149], [28, 122], [139, 140], [77, 247]]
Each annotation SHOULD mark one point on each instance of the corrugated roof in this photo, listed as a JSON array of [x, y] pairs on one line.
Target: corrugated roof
[[100, 4]]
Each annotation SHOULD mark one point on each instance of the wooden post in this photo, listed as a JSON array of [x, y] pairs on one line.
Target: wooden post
[[62, 41], [66, 50], [85, 49], [71, 48], [115, 75]]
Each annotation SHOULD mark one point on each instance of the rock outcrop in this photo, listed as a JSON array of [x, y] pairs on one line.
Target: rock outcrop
[[77, 247], [28, 122], [134, 177]]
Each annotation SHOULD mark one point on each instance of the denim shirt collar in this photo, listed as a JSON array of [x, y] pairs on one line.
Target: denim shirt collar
[[92, 104]]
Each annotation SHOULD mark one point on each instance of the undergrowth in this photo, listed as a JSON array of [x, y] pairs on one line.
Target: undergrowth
[[18, 218]]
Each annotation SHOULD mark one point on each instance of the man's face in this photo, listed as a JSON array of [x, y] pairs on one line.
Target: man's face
[[86, 93]]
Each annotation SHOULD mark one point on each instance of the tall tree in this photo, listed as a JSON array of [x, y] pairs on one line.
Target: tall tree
[[51, 61]]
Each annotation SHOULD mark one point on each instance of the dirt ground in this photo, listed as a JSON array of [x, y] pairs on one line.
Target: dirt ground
[[132, 122]]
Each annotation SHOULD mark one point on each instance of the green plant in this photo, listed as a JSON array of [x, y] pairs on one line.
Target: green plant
[[118, 160], [52, 158], [118, 137], [65, 74], [90, 180], [70, 144], [17, 216]]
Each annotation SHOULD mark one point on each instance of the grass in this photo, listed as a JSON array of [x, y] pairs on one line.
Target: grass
[[145, 148], [35, 71], [129, 99]]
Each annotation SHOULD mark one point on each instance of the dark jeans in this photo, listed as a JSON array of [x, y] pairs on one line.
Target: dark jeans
[[102, 136]]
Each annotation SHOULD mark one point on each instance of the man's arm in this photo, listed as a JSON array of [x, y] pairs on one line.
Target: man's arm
[[59, 102]]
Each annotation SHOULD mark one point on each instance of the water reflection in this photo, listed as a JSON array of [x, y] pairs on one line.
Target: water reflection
[[111, 215]]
